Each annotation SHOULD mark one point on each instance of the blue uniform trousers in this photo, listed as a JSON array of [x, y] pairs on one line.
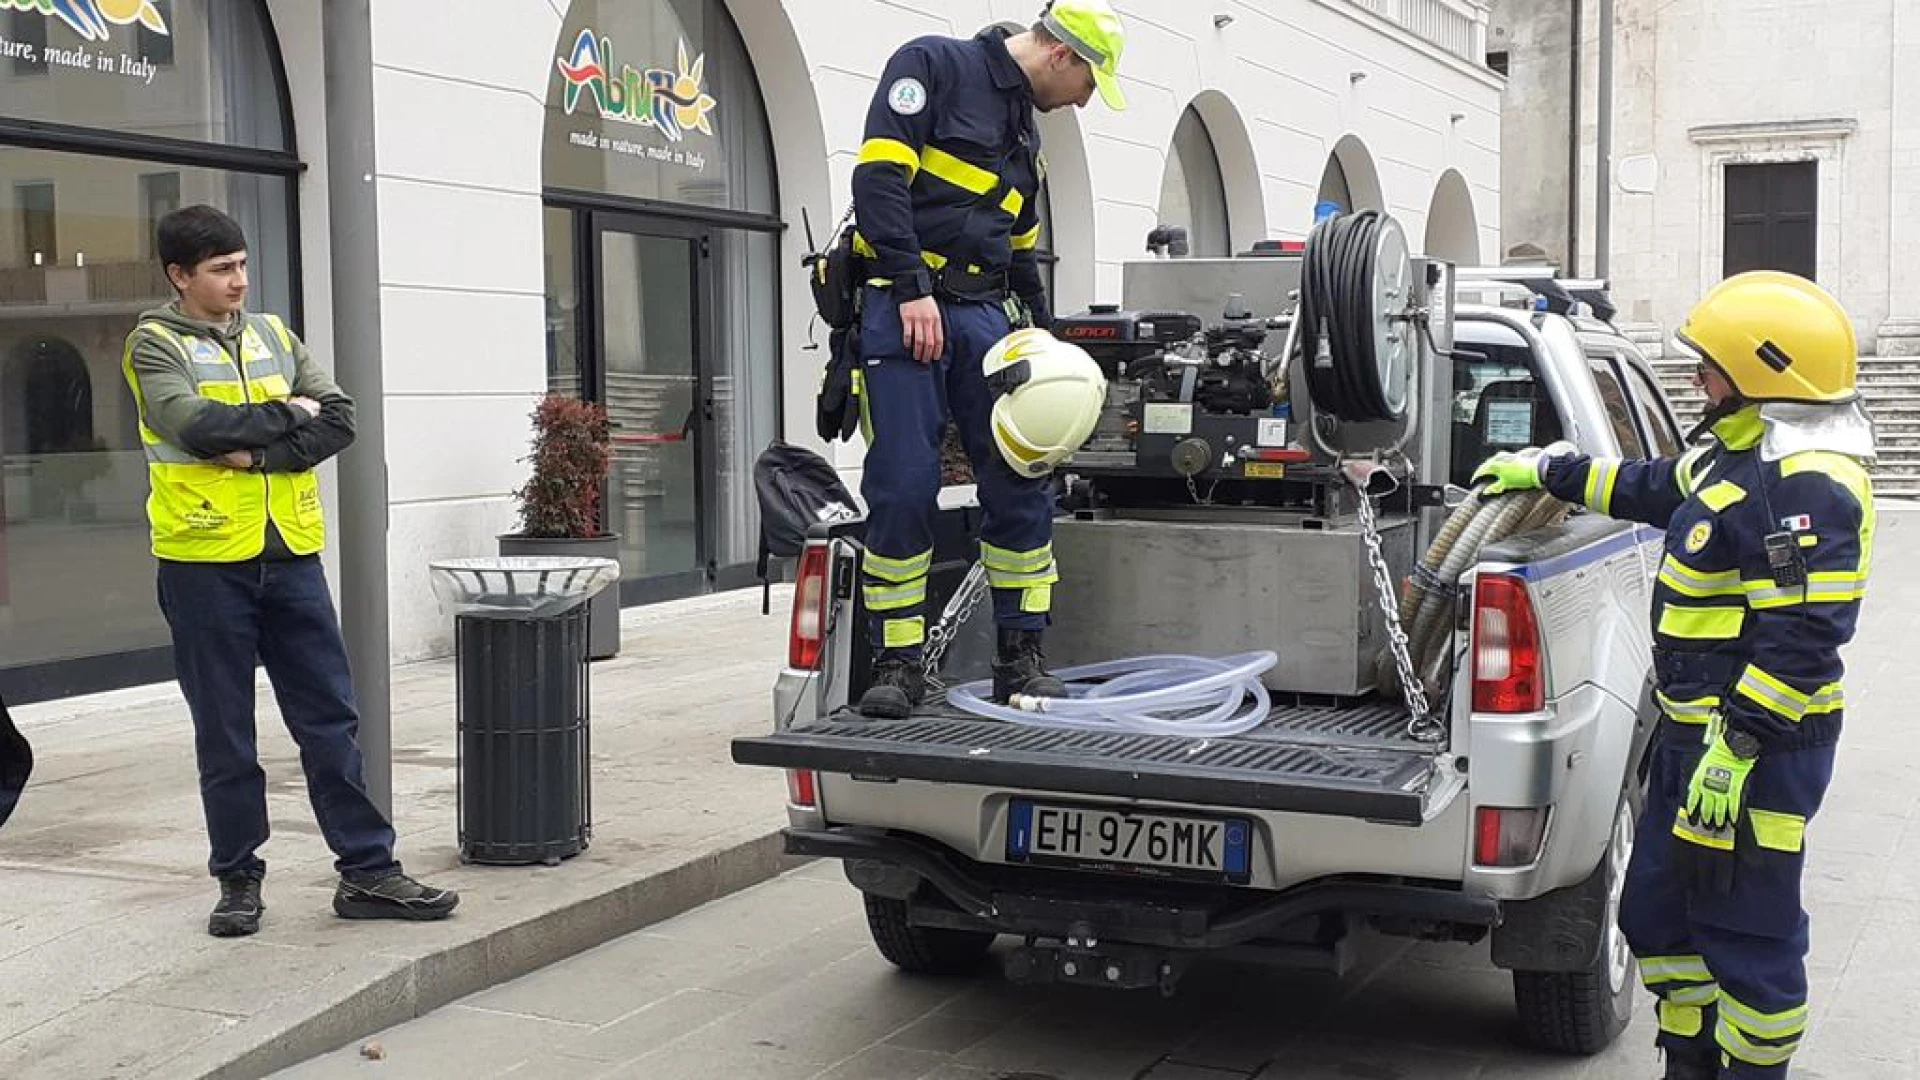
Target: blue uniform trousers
[[904, 406], [1729, 969], [223, 617]]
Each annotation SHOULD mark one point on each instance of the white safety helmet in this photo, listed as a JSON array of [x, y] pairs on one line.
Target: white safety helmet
[[1048, 395]]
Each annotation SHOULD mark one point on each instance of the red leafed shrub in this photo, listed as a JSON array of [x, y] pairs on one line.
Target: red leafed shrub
[[572, 453]]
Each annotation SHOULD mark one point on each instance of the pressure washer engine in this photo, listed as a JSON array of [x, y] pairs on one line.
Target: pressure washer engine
[[1184, 397]]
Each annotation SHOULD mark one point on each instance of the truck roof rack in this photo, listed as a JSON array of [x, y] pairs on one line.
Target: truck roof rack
[[1543, 282]]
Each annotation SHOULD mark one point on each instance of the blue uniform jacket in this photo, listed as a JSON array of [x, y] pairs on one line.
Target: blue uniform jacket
[[950, 167], [1729, 636]]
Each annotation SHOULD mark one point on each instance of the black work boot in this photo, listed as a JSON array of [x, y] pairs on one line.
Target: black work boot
[[1019, 667], [395, 896], [898, 685], [1695, 1059], [238, 912]]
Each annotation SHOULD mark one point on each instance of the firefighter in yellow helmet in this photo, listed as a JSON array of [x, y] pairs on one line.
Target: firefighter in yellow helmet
[[1769, 532]]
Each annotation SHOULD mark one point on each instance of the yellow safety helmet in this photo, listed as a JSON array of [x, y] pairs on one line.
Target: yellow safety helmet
[[1048, 395], [1776, 337], [1092, 30]]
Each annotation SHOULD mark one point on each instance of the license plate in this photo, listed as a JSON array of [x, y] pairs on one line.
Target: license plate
[[1130, 841]]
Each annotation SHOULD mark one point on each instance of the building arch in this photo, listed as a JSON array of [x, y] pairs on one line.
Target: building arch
[[1453, 229], [1350, 178]]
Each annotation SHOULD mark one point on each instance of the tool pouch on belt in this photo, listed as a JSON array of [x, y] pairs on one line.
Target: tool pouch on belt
[[834, 275], [837, 406]]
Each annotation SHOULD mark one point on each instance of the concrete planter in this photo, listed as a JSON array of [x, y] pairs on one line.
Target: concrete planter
[[603, 635]]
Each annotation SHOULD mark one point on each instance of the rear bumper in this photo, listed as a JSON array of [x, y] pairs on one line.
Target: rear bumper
[[1022, 902]]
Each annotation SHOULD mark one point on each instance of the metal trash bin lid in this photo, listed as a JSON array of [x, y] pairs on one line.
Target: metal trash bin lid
[[531, 586]]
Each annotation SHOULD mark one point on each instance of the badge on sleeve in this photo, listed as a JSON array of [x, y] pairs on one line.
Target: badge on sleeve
[[907, 97], [1797, 523], [1698, 536]]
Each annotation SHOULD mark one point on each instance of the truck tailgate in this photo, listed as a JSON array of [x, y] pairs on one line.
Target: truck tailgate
[[1351, 761]]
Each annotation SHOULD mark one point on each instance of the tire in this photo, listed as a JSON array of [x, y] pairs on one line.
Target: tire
[[920, 949], [1582, 1012]]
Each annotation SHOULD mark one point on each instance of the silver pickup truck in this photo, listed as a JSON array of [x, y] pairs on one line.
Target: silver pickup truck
[[1118, 858]]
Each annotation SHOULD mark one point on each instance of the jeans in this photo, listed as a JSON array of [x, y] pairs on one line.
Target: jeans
[[225, 617]]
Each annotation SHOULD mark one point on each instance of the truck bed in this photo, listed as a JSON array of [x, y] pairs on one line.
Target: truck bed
[[1351, 760]]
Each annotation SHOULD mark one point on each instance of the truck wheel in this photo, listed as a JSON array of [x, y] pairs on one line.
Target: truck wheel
[[1581, 1012], [920, 949]]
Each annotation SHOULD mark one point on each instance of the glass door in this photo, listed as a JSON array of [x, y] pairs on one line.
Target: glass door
[[652, 293]]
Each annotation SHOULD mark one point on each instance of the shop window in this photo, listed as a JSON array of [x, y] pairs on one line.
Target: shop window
[[27, 42], [159, 196], [663, 278], [115, 71], [39, 224], [154, 45], [1193, 193], [78, 213]]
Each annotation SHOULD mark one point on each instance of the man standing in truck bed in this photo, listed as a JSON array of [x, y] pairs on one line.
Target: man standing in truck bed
[[945, 196]]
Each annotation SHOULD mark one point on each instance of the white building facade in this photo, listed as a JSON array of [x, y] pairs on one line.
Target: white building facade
[[607, 198], [1783, 135]]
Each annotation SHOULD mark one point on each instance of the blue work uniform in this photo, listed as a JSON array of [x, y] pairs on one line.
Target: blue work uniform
[[1733, 637], [945, 197]]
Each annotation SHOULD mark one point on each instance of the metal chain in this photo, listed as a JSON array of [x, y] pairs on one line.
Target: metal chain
[[960, 608], [1420, 725]]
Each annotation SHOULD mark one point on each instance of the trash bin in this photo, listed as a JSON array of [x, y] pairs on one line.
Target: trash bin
[[523, 789]]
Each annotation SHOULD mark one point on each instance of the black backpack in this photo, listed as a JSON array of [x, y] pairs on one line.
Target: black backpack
[[797, 490], [16, 764]]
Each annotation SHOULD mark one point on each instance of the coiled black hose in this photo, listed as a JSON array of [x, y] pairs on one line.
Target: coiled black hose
[[1336, 305]]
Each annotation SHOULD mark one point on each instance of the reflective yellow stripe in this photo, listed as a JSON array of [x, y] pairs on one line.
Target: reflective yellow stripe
[[1777, 830], [1695, 711], [898, 571], [1601, 474], [1682, 1020], [894, 597], [1683, 472], [1718, 497], [1037, 600], [280, 330], [1660, 969], [1822, 587], [1687, 581], [961, 174], [1028, 240], [903, 633], [1013, 202], [866, 251], [1698, 995], [1774, 1025], [890, 151], [1686, 830], [1763, 689], [1849, 474], [1007, 579], [999, 558], [1702, 623], [1829, 699], [1743, 1049]]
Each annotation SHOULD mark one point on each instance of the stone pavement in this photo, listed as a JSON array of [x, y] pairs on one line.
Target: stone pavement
[[106, 969], [780, 982]]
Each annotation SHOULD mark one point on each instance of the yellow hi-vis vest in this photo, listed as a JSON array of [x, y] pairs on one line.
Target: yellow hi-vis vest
[[203, 511]]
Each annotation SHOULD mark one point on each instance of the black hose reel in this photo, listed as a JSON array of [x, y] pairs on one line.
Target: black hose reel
[[1359, 345]]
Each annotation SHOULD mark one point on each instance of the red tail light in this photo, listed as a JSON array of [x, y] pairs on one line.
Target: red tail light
[[810, 592], [1508, 837], [1508, 674], [803, 788]]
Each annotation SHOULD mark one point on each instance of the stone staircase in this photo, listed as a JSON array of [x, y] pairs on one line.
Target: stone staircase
[[1891, 386]]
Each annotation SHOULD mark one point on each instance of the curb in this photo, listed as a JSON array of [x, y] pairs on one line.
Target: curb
[[421, 985]]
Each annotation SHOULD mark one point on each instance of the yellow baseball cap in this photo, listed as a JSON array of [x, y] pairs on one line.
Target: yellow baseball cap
[[1091, 29]]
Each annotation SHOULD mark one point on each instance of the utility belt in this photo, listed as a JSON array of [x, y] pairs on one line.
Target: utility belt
[[1687, 675], [970, 284]]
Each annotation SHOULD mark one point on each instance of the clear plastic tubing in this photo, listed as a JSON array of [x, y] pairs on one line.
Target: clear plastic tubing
[[1192, 696]]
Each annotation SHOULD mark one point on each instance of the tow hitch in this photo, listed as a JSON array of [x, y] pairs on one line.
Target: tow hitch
[[1086, 961]]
